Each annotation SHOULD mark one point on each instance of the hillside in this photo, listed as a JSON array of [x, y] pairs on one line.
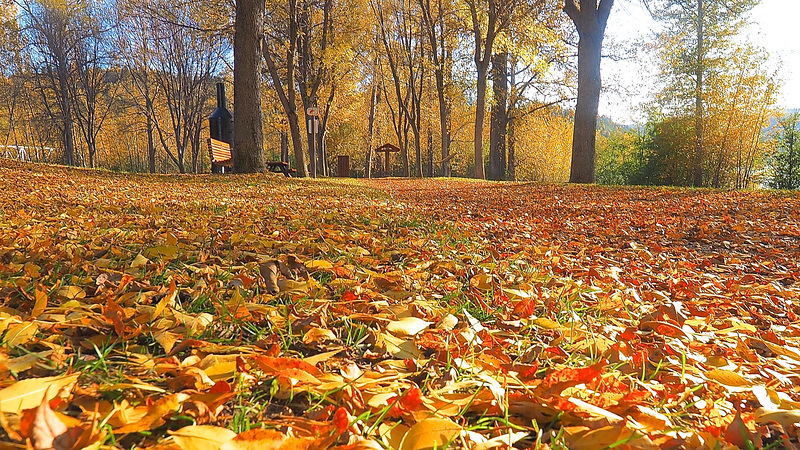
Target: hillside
[[256, 311]]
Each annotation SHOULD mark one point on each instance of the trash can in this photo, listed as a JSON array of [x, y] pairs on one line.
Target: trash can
[[343, 166]]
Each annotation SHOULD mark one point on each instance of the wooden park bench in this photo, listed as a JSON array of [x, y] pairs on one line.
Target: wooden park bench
[[220, 153]]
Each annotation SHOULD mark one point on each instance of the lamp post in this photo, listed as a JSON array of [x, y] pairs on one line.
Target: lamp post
[[313, 124]]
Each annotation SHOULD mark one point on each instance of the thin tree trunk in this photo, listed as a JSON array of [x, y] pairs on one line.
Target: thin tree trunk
[[512, 149], [430, 154], [373, 100], [480, 112], [697, 180], [288, 97], [284, 147]]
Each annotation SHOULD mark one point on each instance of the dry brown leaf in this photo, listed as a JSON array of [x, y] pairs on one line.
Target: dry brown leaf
[[28, 394], [408, 326], [431, 433], [269, 271], [202, 437], [155, 416], [48, 431]]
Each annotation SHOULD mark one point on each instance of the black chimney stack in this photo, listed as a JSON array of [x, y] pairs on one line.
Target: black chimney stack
[[220, 123]]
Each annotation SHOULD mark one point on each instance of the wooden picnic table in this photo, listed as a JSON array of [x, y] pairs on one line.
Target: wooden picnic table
[[280, 167]]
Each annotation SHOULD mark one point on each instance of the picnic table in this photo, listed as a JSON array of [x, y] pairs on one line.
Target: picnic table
[[280, 167]]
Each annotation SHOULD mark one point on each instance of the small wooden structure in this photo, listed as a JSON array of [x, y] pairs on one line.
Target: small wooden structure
[[343, 166], [387, 148], [280, 167], [222, 158], [220, 153]]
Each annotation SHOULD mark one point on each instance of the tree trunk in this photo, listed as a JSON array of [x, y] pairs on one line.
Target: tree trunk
[[512, 150], [373, 101], [480, 112], [430, 154], [68, 138], [198, 128], [67, 132], [444, 129], [287, 93], [590, 20], [297, 143], [697, 179], [248, 141], [499, 118], [585, 128], [151, 146], [791, 184], [284, 147]]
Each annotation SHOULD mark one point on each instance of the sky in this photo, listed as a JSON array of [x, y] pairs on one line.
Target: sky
[[773, 26]]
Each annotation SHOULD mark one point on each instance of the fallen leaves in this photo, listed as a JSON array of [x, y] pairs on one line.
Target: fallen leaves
[[420, 314], [29, 393]]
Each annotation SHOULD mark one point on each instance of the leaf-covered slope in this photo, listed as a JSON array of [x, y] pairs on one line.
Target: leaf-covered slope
[[157, 310]]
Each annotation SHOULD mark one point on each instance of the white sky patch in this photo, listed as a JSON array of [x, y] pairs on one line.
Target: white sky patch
[[630, 82]]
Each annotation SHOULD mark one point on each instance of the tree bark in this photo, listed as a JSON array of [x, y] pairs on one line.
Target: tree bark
[[248, 140], [512, 149], [697, 179], [373, 101], [499, 118], [151, 147], [284, 147], [430, 154], [590, 20], [286, 92], [480, 112], [440, 57]]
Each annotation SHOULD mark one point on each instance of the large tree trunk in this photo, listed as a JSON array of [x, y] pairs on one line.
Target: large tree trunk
[[499, 118], [585, 128], [590, 20], [248, 141]]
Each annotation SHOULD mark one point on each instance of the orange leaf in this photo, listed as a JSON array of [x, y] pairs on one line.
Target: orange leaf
[[556, 382], [277, 365], [155, 415]]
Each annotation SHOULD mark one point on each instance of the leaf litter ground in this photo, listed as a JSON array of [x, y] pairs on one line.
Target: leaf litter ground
[[242, 312]]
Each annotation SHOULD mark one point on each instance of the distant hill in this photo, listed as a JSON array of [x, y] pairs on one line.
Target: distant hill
[[606, 126], [773, 121]]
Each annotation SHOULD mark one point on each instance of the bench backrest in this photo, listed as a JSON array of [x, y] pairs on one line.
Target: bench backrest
[[220, 152]]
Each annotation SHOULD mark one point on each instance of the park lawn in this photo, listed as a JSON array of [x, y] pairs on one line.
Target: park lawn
[[253, 310]]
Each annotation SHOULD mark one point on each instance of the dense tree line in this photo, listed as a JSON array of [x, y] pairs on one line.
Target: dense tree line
[[482, 88], [127, 84]]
